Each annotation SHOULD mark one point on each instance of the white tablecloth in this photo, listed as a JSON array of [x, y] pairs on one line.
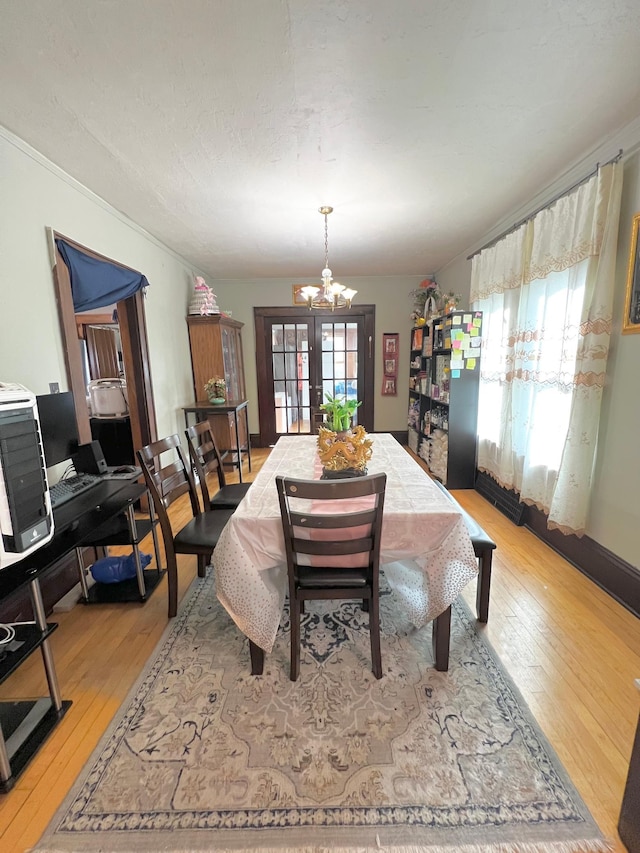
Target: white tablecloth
[[426, 551]]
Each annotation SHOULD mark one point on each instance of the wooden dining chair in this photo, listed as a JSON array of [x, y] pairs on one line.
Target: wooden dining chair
[[333, 551], [206, 460], [167, 480]]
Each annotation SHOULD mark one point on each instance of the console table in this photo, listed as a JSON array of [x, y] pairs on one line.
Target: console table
[[204, 410], [25, 725]]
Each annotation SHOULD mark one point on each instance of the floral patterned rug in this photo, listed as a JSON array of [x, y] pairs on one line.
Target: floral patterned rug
[[203, 756]]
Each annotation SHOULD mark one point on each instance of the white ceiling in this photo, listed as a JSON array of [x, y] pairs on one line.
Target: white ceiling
[[221, 126]]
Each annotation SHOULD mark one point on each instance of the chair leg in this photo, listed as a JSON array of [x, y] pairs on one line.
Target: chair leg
[[365, 605], [203, 562], [294, 608], [374, 631], [441, 640], [257, 658], [484, 585], [172, 584]]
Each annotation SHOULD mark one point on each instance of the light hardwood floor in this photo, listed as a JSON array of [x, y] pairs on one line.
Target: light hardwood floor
[[571, 649]]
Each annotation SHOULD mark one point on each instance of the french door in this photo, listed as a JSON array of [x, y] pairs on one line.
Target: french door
[[303, 355]]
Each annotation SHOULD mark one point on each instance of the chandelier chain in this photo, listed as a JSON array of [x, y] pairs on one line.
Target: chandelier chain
[[326, 240]]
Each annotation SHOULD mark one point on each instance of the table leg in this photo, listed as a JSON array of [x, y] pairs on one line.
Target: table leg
[[246, 420], [257, 658], [238, 444], [441, 640]]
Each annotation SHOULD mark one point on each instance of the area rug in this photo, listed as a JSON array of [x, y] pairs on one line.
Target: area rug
[[203, 756]]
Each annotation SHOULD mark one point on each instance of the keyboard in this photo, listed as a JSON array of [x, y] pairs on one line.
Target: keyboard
[[71, 487]]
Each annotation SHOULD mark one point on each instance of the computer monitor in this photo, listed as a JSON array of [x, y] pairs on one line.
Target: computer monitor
[[58, 427]]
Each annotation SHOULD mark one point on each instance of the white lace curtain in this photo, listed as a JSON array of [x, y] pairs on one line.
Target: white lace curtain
[[546, 293]]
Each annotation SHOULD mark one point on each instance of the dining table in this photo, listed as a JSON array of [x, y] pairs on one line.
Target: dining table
[[426, 552]]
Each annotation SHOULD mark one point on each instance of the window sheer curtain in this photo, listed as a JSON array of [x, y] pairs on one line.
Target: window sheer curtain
[[546, 292]]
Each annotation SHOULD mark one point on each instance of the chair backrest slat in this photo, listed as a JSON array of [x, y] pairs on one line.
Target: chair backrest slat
[[332, 548], [333, 522], [205, 457]]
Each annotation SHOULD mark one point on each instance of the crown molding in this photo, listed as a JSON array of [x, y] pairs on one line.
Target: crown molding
[[59, 173]]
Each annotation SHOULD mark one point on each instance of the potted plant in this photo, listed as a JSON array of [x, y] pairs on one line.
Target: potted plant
[[339, 412], [343, 451], [216, 389]]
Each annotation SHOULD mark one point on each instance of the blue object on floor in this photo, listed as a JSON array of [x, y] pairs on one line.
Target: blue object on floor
[[116, 569]]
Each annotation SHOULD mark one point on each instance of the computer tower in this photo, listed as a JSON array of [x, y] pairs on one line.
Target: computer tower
[[26, 518]]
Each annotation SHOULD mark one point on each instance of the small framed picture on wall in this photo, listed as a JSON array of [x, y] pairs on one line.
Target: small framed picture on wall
[[390, 346], [631, 319]]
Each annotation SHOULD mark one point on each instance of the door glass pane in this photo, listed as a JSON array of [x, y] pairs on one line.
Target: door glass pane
[[277, 338], [278, 366], [290, 337], [352, 365], [352, 336]]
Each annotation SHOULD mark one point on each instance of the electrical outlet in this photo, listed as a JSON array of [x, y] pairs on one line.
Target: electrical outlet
[[54, 388]]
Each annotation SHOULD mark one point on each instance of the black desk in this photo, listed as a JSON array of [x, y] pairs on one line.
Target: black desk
[[25, 725], [205, 410]]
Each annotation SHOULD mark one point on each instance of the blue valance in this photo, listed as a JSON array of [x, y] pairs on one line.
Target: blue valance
[[96, 283]]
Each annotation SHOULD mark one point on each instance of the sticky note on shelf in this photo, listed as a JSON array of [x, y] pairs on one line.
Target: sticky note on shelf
[[455, 374], [471, 363]]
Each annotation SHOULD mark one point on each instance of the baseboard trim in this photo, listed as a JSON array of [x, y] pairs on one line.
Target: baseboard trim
[[610, 572], [606, 569]]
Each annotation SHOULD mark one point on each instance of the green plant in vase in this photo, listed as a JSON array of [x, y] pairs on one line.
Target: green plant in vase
[[339, 412], [216, 389]]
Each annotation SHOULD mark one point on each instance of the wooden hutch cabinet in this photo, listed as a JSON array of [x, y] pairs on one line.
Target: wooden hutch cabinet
[[216, 350]]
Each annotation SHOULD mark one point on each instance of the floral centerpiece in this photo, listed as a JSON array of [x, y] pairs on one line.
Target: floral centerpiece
[[216, 389], [426, 300], [343, 451]]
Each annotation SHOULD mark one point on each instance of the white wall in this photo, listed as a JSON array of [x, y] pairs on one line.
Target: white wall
[[393, 309], [615, 509], [35, 195]]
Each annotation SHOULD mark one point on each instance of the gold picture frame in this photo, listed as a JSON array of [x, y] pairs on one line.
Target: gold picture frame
[[297, 296], [631, 319]]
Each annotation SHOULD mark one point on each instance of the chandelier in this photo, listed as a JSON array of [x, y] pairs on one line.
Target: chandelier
[[331, 295]]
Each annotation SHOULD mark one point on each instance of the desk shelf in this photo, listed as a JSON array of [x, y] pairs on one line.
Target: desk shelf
[[118, 533], [24, 724], [124, 592]]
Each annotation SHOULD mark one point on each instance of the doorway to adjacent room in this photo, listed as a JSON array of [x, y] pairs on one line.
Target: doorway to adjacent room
[[303, 355]]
